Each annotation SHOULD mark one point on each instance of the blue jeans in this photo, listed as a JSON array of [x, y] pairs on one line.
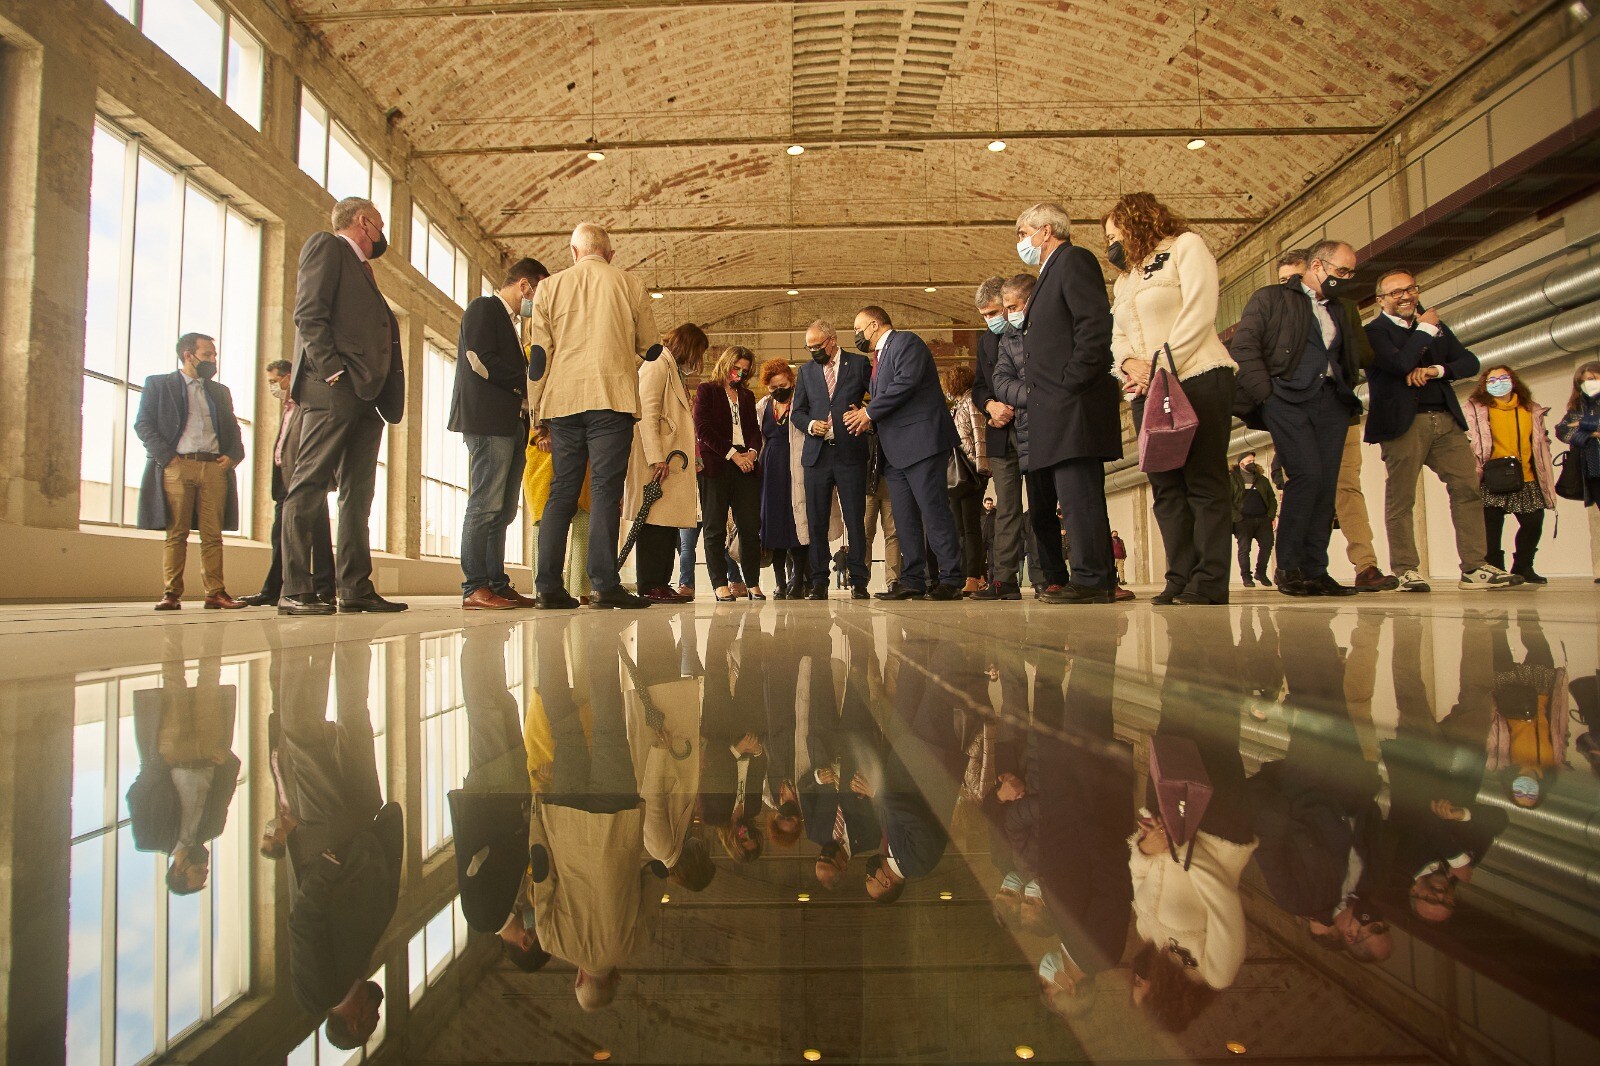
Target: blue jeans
[[688, 549], [599, 442], [494, 488]]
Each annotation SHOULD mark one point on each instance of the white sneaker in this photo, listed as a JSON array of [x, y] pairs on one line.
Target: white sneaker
[[1487, 578], [1411, 581]]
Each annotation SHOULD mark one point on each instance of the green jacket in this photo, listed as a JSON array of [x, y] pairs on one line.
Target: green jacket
[[1263, 485]]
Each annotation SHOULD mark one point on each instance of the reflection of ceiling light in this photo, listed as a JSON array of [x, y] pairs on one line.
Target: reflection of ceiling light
[[947, 895], [931, 288], [997, 146], [811, 1054], [1024, 1052], [804, 897], [1235, 1047], [665, 898], [794, 292], [597, 156], [1197, 143], [1579, 11], [658, 296], [796, 149], [602, 1055]]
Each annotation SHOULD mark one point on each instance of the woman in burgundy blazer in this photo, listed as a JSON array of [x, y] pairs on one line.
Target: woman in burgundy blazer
[[728, 476]]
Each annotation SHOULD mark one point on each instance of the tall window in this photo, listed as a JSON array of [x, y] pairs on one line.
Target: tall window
[[208, 42], [444, 458], [166, 257], [439, 260], [315, 1050], [146, 966], [434, 947], [330, 154]]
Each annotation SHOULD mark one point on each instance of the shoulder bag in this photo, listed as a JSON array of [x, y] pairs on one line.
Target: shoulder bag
[[1168, 427]]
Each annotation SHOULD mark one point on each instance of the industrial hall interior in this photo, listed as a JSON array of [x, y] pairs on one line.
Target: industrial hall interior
[[772, 532]]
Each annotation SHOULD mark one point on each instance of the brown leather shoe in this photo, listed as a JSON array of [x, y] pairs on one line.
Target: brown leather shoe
[[1124, 594], [1374, 580], [486, 599], [169, 602], [221, 601]]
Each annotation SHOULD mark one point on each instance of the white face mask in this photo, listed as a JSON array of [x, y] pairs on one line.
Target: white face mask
[[1591, 387], [1028, 252], [1049, 966], [278, 392], [1016, 318]]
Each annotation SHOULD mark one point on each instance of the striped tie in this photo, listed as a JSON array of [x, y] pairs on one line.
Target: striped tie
[[830, 375], [840, 834]]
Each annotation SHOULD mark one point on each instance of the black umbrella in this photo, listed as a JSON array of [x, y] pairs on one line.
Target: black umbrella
[[652, 493]]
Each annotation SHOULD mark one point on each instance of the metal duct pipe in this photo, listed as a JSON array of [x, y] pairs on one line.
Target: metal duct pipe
[[1571, 331], [1562, 288]]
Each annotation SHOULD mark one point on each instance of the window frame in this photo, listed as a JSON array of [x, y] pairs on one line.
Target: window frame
[[377, 175], [231, 27]]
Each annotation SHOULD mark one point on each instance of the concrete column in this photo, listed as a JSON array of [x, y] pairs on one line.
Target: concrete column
[[45, 168]]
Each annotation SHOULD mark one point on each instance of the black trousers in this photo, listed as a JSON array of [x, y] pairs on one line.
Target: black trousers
[[337, 441], [657, 548], [791, 568], [1309, 437], [321, 550], [969, 523], [1046, 548], [1255, 530], [1081, 487], [1193, 504], [1530, 528], [732, 490]]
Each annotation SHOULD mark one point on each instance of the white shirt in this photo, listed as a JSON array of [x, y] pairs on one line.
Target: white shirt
[[199, 432], [882, 339], [894, 867], [1319, 307], [515, 314]]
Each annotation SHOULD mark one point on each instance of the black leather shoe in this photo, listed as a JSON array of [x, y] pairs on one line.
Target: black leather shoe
[[858, 592], [1327, 586], [257, 599], [1263, 579], [1248, 581], [817, 592], [998, 591], [1166, 597], [943, 592], [1079, 594], [373, 604], [619, 599], [1291, 583], [556, 601], [328, 598], [303, 606], [900, 592]]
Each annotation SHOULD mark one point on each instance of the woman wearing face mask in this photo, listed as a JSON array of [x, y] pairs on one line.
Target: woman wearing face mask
[[967, 502], [727, 433], [666, 425], [783, 489], [1503, 422], [1579, 428], [1166, 300]]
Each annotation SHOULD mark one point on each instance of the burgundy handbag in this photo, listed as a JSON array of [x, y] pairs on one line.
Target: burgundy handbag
[[1169, 421], [1183, 790]]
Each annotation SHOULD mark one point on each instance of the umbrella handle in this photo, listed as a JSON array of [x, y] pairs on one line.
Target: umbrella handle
[[682, 466]]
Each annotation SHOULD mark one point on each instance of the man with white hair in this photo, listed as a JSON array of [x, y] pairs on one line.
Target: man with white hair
[[591, 325]]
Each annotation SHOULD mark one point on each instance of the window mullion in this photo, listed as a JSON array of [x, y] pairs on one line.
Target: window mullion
[[123, 360], [111, 721], [227, 20]]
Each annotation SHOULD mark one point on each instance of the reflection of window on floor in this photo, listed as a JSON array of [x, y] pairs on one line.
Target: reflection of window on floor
[[435, 946], [145, 966], [315, 1050], [445, 754]]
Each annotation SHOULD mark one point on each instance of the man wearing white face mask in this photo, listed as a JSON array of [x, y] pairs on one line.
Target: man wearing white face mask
[[1003, 455], [322, 538]]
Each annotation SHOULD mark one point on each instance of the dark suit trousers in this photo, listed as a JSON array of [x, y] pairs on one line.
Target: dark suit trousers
[[332, 771], [1309, 438], [741, 493], [593, 773], [850, 481], [321, 554], [1194, 503], [1046, 527], [1081, 487], [339, 438], [1251, 531], [922, 515], [596, 442]]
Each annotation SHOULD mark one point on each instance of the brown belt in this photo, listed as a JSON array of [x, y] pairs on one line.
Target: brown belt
[[200, 457]]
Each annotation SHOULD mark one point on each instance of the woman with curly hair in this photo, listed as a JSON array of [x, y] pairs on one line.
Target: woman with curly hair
[[784, 530], [1503, 422], [967, 500], [1164, 310]]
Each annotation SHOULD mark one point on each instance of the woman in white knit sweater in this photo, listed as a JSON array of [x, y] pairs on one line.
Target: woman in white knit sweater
[[1166, 298]]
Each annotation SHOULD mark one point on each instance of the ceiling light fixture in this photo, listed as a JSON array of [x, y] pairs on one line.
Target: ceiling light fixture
[[804, 897], [1023, 1051], [1196, 144], [597, 155], [658, 296], [601, 1056], [796, 149], [931, 288], [1235, 1047], [794, 292], [665, 898], [811, 1054], [947, 896], [997, 146]]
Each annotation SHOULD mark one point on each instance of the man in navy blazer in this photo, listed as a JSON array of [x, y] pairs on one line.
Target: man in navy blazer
[[1415, 418], [833, 383], [1067, 337], [840, 819], [187, 426], [916, 433]]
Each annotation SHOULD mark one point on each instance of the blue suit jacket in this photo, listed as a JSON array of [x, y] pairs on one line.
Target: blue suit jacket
[[163, 414], [907, 404], [1396, 352], [811, 404]]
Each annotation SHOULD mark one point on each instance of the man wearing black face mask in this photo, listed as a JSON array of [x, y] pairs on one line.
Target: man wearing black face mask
[[348, 380], [1298, 368], [1255, 505], [188, 430], [832, 383]]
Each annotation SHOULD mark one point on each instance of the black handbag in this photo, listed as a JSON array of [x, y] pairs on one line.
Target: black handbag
[[961, 477], [1503, 476], [1569, 482]]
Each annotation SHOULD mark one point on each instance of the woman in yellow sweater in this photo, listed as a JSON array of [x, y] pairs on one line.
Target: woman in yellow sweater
[[1503, 422]]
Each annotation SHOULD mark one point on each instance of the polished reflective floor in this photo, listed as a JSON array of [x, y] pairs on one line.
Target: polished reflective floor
[[1355, 831]]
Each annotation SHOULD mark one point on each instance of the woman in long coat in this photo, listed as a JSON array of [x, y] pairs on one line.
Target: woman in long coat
[[666, 426]]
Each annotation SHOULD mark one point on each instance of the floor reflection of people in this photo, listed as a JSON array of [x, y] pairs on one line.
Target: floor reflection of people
[[1189, 915], [843, 742], [734, 725], [780, 683], [1315, 811], [188, 772], [592, 905], [1527, 741], [346, 849]]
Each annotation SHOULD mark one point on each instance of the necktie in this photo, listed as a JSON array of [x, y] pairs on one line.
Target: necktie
[[283, 432], [830, 375], [840, 835]]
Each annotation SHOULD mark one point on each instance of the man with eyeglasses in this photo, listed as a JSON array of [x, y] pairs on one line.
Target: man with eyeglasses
[[1298, 367], [1417, 421]]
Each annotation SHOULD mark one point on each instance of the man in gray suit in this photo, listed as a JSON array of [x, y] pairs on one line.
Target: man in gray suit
[[348, 379]]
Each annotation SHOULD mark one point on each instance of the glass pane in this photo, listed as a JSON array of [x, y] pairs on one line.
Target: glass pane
[[189, 31], [416, 965], [441, 260], [184, 915], [463, 274], [100, 399], [441, 945], [245, 70], [419, 238], [154, 330], [139, 879], [378, 519], [134, 458], [382, 191], [200, 298], [239, 359], [313, 137], [349, 168], [106, 190], [85, 967]]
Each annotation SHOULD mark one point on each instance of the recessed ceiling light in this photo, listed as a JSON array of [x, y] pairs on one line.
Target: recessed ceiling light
[[794, 292], [947, 896], [796, 149], [931, 288], [1197, 143], [1023, 1051], [597, 156], [804, 897], [811, 1054], [658, 296], [1235, 1047], [997, 146], [665, 898], [602, 1055]]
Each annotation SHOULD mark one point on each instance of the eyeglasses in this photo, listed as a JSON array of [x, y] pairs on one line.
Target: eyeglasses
[[1338, 271], [1409, 290]]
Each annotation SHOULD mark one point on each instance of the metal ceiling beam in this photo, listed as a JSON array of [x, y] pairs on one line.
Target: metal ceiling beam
[[780, 288], [534, 7], [841, 140], [832, 227]]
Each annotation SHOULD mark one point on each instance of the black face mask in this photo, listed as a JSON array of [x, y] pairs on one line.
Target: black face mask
[[1339, 288], [205, 370], [380, 244], [1249, 468], [1117, 255], [782, 394], [820, 355], [862, 345]]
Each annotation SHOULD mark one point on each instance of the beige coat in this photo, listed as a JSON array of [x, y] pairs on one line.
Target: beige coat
[[669, 785], [1200, 907], [666, 425], [598, 908], [594, 322], [1175, 305]]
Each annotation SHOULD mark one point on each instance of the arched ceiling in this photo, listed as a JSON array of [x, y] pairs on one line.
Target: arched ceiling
[[695, 101]]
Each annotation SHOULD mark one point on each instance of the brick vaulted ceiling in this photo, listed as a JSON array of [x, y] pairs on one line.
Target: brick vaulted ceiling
[[695, 101]]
